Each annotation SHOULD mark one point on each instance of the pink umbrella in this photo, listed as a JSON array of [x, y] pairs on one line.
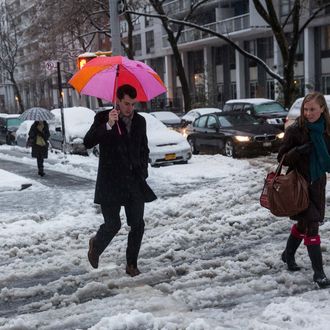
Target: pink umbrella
[[101, 77]]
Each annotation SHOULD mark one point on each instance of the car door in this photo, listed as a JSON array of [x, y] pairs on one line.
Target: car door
[[221, 135], [56, 137], [3, 131], [211, 134], [199, 131]]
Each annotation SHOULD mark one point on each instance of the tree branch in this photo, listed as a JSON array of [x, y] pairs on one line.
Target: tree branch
[[220, 36]]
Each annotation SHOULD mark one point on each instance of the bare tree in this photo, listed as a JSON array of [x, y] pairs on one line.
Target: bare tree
[[173, 36], [287, 34], [9, 45]]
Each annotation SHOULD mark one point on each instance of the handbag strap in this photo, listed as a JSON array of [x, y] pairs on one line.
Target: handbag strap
[[278, 169]]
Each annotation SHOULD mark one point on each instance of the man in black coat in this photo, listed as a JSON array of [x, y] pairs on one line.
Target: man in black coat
[[122, 172]]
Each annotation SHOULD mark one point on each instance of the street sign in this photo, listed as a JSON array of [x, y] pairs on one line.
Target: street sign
[[50, 66]]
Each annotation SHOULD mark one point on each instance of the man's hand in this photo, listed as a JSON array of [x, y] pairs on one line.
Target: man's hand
[[113, 117]]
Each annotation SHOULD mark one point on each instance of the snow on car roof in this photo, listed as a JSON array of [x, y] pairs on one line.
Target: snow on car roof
[[9, 115], [253, 101], [163, 115], [77, 120], [158, 133]]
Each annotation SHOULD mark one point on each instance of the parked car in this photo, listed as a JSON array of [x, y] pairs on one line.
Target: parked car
[[266, 110], [169, 119], [8, 126], [294, 111], [233, 134], [191, 115], [77, 121], [22, 133], [166, 146]]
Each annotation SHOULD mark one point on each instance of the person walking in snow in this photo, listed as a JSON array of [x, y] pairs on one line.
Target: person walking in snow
[[121, 179], [306, 146], [38, 140]]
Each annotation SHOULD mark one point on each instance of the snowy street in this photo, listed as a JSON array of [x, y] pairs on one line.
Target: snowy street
[[210, 256]]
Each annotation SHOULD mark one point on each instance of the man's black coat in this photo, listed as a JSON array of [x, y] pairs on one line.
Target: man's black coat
[[121, 156]]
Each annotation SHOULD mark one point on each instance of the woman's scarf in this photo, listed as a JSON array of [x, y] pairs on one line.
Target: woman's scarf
[[319, 160]]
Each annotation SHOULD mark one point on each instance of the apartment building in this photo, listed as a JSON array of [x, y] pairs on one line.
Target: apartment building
[[215, 71]]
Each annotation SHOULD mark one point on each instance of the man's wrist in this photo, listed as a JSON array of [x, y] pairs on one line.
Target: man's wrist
[[108, 126]]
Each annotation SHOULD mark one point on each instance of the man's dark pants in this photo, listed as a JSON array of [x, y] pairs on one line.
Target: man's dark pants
[[134, 209]]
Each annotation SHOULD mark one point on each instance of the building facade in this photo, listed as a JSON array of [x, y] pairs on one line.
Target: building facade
[[216, 72]]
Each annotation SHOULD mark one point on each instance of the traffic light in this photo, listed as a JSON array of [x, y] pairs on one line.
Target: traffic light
[[84, 58], [81, 62]]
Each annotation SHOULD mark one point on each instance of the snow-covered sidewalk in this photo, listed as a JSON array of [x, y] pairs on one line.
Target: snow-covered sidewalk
[[209, 258]]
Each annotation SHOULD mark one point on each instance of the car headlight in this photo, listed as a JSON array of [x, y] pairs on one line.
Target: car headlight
[[242, 138], [280, 135]]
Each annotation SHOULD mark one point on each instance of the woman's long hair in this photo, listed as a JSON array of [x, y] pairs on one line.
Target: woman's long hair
[[320, 99]]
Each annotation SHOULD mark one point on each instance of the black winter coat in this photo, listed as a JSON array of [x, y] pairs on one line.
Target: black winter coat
[[121, 158], [38, 151], [296, 136]]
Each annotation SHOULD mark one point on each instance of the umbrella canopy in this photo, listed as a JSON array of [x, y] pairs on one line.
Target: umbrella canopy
[[36, 113], [101, 77]]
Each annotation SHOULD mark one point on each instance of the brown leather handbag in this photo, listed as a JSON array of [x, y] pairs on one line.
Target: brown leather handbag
[[285, 195]]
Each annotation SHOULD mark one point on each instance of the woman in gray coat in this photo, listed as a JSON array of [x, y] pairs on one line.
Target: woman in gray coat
[[306, 147]]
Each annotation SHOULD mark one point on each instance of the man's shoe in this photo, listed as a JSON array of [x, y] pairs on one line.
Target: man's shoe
[[322, 281], [41, 173], [132, 271], [93, 257]]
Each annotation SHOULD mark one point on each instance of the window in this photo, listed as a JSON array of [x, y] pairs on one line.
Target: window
[[325, 85], [325, 38], [123, 26], [147, 20], [233, 92], [201, 122], [270, 89], [150, 42], [238, 107], [285, 7], [137, 44], [253, 89], [269, 47], [211, 122], [136, 21]]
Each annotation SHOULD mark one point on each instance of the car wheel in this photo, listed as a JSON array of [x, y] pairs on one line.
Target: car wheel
[[229, 150], [193, 146]]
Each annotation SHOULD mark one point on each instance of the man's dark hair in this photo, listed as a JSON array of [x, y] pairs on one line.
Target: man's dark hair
[[126, 90]]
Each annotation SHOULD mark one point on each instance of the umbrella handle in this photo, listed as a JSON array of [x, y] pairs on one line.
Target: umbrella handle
[[118, 127]]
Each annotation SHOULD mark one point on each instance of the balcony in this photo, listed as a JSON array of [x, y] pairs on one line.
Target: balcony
[[226, 27], [181, 6]]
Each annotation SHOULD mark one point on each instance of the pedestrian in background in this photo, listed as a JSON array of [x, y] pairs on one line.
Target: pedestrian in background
[[121, 179], [306, 146], [38, 140]]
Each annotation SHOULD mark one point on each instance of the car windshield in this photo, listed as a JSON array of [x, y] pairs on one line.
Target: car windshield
[[237, 120], [269, 107], [13, 122]]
